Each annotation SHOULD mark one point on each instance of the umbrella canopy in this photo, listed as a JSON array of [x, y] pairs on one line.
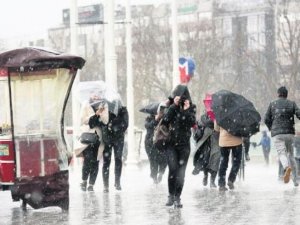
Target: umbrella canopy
[[235, 113], [106, 94], [150, 108]]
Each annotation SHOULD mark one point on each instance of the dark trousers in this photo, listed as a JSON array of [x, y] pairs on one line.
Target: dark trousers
[[90, 164], [247, 147], [177, 161], [236, 162], [157, 160], [117, 147]]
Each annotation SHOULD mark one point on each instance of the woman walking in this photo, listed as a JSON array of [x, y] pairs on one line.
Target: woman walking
[[180, 118]]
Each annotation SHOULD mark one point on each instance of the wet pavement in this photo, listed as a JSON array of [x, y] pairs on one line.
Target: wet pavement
[[259, 199]]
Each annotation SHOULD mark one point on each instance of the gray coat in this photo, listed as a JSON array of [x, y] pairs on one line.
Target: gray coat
[[215, 154]]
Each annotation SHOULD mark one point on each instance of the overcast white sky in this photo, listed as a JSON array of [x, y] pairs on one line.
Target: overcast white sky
[[29, 17], [24, 17]]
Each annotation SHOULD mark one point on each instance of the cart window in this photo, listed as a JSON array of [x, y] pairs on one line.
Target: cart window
[[38, 100]]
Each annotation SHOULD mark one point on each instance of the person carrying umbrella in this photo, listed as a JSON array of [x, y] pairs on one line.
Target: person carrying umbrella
[[236, 117], [180, 118], [91, 153], [279, 119]]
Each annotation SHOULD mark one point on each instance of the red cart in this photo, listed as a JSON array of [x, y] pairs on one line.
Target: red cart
[[34, 87]]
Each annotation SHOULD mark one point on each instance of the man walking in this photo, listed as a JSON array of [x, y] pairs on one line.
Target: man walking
[[280, 121]]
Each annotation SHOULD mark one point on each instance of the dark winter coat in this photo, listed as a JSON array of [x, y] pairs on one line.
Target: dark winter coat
[[207, 155], [280, 116], [150, 124], [116, 127], [180, 121]]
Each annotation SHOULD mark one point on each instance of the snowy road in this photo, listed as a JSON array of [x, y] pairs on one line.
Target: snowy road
[[259, 199]]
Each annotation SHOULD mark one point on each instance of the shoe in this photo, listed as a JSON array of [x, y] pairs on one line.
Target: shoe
[[170, 201], [118, 187], [177, 203], [213, 185], [230, 185], [195, 171], [247, 157], [204, 182], [106, 189], [287, 174], [296, 184], [90, 188], [83, 186], [223, 188]]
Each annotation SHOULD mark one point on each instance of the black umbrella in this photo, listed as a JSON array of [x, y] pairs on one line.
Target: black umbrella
[[235, 113], [150, 108]]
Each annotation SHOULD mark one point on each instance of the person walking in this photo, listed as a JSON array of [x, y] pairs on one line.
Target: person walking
[[246, 145], [228, 144], [113, 133], [91, 153], [279, 119], [180, 118], [265, 143], [207, 156], [157, 159]]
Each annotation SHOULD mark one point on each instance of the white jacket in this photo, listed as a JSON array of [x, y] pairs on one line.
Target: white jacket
[[85, 113]]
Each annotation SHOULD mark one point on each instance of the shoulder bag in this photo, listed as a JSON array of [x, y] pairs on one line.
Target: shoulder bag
[[161, 136]]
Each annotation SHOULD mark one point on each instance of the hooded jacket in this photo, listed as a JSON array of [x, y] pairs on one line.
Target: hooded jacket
[[178, 120]]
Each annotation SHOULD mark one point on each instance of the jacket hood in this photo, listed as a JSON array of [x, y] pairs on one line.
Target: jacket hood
[[182, 91]]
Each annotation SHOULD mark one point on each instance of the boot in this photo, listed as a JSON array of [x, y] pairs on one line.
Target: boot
[[205, 179], [177, 203], [118, 185], [170, 201], [83, 185], [212, 179], [90, 187]]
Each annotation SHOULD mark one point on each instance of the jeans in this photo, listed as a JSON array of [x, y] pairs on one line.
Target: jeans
[[283, 143], [236, 162], [118, 152], [178, 156]]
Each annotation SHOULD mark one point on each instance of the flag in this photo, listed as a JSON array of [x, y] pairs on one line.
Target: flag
[[186, 69]]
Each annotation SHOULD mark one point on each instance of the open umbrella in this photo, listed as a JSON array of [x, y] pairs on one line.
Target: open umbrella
[[107, 94], [150, 108], [235, 113]]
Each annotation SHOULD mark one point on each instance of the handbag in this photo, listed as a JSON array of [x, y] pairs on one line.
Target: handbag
[[161, 136], [89, 138]]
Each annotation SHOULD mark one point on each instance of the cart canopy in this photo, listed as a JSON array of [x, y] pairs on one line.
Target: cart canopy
[[32, 59]]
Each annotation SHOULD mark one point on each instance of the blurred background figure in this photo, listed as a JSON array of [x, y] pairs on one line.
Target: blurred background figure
[[265, 143], [297, 151], [246, 145]]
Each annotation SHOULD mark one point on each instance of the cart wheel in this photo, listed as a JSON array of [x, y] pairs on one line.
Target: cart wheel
[[64, 205]]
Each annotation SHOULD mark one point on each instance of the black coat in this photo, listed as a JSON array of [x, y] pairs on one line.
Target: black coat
[[116, 127], [280, 116], [178, 120], [150, 124]]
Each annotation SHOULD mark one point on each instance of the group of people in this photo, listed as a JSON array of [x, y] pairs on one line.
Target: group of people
[[214, 144], [110, 128]]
